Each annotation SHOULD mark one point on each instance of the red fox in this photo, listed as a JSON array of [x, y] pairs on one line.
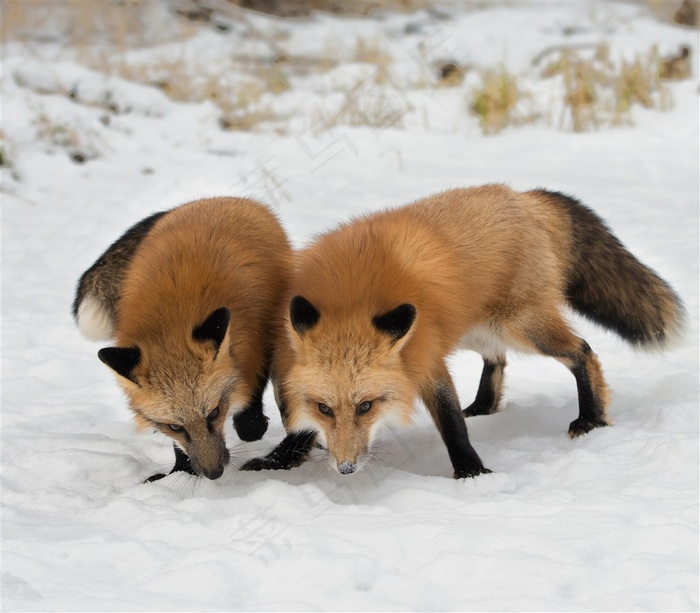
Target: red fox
[[191, 298], [375, 306]]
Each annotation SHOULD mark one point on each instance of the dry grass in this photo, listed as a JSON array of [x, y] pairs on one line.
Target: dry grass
[[107, 36], [598, 92], [274, 78], [370, 52], [5, 157], [81, 23], [170, 73], [496, 101], [376, 110], [582, 80], [373, 102], [80, 144], [247, 119], [303, 8], [191, 81], [242, 108], [636, 82], [104, 36]]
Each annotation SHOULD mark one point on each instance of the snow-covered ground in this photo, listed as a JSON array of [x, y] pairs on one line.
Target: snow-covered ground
[[608, 521]]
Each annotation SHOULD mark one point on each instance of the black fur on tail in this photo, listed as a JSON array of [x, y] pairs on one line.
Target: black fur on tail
[[608, 285], [103, 280]]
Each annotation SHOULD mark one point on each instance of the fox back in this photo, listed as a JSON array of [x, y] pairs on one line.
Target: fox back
[[461, 258]]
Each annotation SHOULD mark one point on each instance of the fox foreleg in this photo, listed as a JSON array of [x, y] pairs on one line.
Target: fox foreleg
[[441, 399], [291, 452], [182, 464], [251, 423]]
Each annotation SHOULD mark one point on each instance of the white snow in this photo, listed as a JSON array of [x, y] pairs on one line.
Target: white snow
[[608, 521]]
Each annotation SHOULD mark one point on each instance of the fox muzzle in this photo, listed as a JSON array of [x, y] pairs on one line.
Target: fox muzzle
[[347, 468], [212, 470]]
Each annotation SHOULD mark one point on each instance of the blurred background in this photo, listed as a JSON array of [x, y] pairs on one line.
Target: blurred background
[[284, 66]]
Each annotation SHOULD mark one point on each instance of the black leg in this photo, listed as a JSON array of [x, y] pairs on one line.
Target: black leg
[[291, 452], [591, 401], [576, 354], [251, 423], [182, 464], [489, 394], [552, 336], [442, 402]]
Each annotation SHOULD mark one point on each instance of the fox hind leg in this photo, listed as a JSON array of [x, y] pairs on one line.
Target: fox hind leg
[[490, 389], [593, 392], [555, 339]]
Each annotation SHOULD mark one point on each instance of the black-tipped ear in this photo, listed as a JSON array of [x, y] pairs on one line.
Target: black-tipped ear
[[214, 327], [303, 314], [396, 323], [121, 360]]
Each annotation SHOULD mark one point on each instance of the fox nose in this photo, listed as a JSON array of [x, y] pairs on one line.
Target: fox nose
[[347, 468], [214, 474]]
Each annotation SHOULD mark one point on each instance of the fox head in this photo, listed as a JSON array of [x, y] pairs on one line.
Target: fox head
[[183, 384], [346, 377]]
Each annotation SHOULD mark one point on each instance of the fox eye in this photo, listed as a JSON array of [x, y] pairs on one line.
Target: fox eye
[[325, 409], [213, 415], [363, 407], [176, 427]]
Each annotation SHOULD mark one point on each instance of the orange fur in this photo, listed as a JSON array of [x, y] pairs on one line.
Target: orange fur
[[208, 254], [486, 268]]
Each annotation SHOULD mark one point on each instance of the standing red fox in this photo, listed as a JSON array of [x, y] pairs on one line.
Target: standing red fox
[[376, 306], [191, 298]]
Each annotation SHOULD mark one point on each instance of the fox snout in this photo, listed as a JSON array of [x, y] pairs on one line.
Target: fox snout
[[210, 461], [347, 454], [350, 464], [347, 468], [213, 472]]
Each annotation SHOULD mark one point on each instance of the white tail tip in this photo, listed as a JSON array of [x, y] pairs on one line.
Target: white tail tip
[[94, 322]]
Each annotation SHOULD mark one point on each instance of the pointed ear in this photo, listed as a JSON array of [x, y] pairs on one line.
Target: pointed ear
[[396, 323], [121, 360], [303, 315], [214, 327]]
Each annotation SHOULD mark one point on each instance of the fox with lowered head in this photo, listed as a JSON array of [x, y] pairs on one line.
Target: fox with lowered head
[[375, 307], [191, 298]]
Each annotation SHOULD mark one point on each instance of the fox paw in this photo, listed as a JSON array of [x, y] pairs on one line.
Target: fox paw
[[581, 426], [465, 473], [260, 464], [182, 464], [155, 477], [479, 408], [159, 476], [250, 425]]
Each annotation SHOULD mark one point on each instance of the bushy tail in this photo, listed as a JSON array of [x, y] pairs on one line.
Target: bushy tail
[[99, 288], [608, 285]]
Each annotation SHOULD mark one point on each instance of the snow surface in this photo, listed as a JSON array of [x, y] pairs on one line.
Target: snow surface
[[608, 521]]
